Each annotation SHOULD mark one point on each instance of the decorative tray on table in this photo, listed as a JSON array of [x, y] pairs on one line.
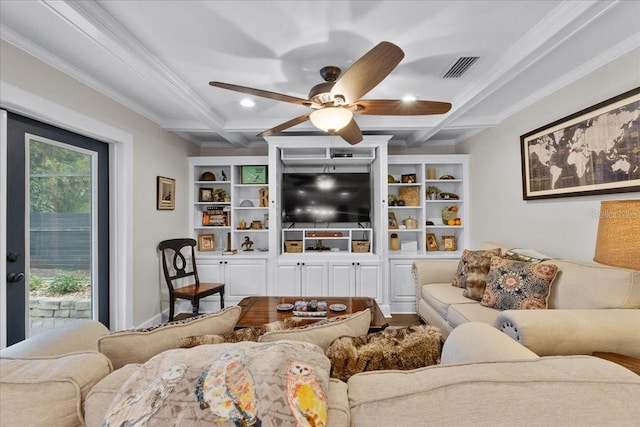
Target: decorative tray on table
[[311, 308]]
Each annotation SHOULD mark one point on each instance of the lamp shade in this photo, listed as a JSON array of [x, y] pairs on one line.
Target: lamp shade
[[618, 240], [331, 119]]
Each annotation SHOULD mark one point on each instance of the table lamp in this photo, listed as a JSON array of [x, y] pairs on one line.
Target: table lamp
[[618, 239]]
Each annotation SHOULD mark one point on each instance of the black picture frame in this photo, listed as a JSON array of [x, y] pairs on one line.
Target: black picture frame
[[593, 151]]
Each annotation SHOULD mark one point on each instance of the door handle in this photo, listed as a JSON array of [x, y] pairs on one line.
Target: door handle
[[15, 277]]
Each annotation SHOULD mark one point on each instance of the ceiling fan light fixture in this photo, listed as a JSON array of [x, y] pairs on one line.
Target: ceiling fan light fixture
[[331, 119], [248, 103]]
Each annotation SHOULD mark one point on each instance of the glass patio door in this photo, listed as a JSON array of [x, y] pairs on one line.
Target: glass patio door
[[57, 228]]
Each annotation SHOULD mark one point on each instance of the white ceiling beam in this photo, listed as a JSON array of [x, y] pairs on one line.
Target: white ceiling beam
[[97, 25], [565, 20]]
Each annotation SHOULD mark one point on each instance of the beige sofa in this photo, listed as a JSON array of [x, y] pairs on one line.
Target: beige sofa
[[592, 308], [61, 379]]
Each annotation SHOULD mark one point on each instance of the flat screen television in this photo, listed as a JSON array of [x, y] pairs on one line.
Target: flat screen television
[[326, 197]]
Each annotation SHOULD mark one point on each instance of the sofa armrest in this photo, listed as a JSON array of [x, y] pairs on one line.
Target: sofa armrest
[[433, 271], [480, 342], [566, 332], [80, 335]]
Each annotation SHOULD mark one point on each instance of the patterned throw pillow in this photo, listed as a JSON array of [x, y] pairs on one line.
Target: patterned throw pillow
[[518, 285], [473, 268]]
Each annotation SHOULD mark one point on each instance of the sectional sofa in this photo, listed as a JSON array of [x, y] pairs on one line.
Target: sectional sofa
[[591, 307], [83, 374]]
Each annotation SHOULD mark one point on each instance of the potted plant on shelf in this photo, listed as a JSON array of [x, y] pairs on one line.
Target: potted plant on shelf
[[219, 195], [432, 192]]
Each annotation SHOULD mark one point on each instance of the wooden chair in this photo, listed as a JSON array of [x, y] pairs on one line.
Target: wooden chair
[[177, 270]]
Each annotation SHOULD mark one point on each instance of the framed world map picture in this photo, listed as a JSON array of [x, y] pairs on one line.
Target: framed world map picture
[[594, 151]]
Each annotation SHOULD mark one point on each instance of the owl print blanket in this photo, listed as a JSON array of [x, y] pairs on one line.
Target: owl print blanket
[[240, 384]]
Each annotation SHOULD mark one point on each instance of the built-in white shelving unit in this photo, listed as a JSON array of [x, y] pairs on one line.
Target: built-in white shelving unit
[[328, 259]]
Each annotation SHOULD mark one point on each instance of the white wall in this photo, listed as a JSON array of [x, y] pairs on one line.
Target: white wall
[[154, 153], [563, 227]]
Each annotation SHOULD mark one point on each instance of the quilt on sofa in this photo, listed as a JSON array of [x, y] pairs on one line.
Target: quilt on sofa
[[247, 383]]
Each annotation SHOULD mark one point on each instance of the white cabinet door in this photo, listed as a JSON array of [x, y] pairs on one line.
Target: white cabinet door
[[402, 285], [241, 277], [314, 278], [211, 271], [342, 279], [245, 278], [367, 279], [288, 279]]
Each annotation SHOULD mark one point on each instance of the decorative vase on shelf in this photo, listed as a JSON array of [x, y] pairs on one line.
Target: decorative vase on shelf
[[410, 222], [394, 242]]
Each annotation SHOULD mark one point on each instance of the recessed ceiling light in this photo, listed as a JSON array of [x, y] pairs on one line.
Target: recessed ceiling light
[[247, 103], [409, 98]]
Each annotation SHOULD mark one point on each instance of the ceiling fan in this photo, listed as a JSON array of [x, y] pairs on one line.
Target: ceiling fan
[[335, 101]]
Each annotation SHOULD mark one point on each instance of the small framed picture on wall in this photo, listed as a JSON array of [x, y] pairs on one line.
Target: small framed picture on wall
[[166, 193]]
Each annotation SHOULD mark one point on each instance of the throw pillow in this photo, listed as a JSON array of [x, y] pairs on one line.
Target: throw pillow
[[473, 268], [139, 345], [234, 384], [518, 285], [243, 334], [406, 348], [324, 334]]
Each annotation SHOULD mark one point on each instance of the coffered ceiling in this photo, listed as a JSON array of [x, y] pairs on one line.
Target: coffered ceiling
[[157, 57]]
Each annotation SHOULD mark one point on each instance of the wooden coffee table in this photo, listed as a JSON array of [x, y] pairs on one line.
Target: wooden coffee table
[[257, 311]]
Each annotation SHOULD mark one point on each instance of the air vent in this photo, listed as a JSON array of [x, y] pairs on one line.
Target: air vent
[[460, 67]]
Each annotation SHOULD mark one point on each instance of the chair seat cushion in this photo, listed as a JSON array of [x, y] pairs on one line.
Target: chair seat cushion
[[203, 290]]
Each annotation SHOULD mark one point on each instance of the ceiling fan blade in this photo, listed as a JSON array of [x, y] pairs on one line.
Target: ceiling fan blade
[[351, 133], [285, 125], [396, 107], [262, 93], [367, 72]]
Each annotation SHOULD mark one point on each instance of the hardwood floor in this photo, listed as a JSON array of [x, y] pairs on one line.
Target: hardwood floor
[[404, 320]]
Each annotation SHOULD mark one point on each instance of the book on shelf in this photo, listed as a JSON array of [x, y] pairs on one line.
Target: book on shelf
[[215, 216]]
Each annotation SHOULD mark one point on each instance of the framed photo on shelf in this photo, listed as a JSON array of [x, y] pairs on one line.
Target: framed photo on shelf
[[393, 222], [449, 243], [589, 152], [206, 242], [253, 174], [166, 188], [432, 242], [205, 195]]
